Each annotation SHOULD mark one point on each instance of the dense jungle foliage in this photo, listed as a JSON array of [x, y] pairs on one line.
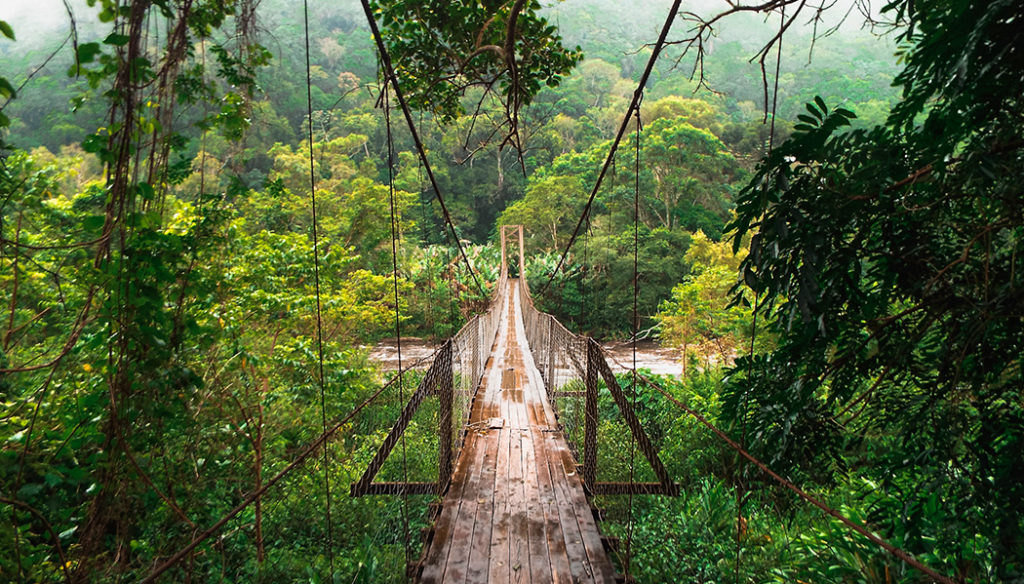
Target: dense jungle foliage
[[834, 250]]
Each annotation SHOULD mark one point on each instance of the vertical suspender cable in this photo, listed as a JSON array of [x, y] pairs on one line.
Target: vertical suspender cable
[[398, 313], [389, 77], [740, 483], [636, 326], [316, 280]]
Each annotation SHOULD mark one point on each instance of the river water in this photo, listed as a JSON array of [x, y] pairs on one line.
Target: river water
[[649, 355]]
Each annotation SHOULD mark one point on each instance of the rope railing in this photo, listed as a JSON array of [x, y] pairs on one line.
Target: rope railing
[[343, 440], [851, 524], [455, 371], [575, 371]]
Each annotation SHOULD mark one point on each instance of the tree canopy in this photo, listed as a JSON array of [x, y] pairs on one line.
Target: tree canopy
[[443, 47], [836, 258], [888, 261]]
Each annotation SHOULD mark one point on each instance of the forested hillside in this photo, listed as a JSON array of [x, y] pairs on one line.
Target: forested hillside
[[209, 211]]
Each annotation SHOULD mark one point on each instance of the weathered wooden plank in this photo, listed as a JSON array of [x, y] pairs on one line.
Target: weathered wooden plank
[[518, 536], [579, 563], [477, 549], [558, 556], [493, 565], [473, 519], [538, 569], [480, 500], [603, 569], [436, 557]]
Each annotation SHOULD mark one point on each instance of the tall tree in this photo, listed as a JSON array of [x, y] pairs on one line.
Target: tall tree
[[890, 260], [443, 47]]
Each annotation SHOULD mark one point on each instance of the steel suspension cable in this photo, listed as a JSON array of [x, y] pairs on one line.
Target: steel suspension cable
[[633, 106], [390, 77], [299, 460], [398, 312], [789, 485], [316, 282]]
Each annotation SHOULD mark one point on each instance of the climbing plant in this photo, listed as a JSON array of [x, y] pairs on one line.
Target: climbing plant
[[104, 286], [889, 260]]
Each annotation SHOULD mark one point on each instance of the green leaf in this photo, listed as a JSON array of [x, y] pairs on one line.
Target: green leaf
[[87, 52], [818, 114], [29, 490], [94, 143], [117, 40], [6, 89], [93, 222], [145, 190], [7, 30], [821, 103]]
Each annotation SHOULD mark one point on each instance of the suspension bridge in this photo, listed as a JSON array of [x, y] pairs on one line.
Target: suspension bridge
[[515, 484], [517, 427], [515, 399]]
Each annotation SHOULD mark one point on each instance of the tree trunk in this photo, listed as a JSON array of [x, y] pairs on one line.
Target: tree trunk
[[501, 172]]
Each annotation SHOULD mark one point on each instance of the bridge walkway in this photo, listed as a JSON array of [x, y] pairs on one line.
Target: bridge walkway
[[516, 510]]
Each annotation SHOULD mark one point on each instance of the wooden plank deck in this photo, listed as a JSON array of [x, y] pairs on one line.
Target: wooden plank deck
[[516, 510]]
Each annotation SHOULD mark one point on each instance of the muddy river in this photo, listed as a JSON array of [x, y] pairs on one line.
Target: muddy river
[[649, 355]]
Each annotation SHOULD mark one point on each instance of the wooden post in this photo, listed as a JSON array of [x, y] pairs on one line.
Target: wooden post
[[445, 392], [590, 418], [504, 256], [522, 254], [549, 354]]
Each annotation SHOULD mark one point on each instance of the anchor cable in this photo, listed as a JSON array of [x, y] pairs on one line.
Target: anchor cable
[[316, 281]]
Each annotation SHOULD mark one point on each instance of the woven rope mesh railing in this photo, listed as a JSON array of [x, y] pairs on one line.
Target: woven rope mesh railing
[[447, 387], [561, 358], [471, 347], [576, 373], [374, 539]]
